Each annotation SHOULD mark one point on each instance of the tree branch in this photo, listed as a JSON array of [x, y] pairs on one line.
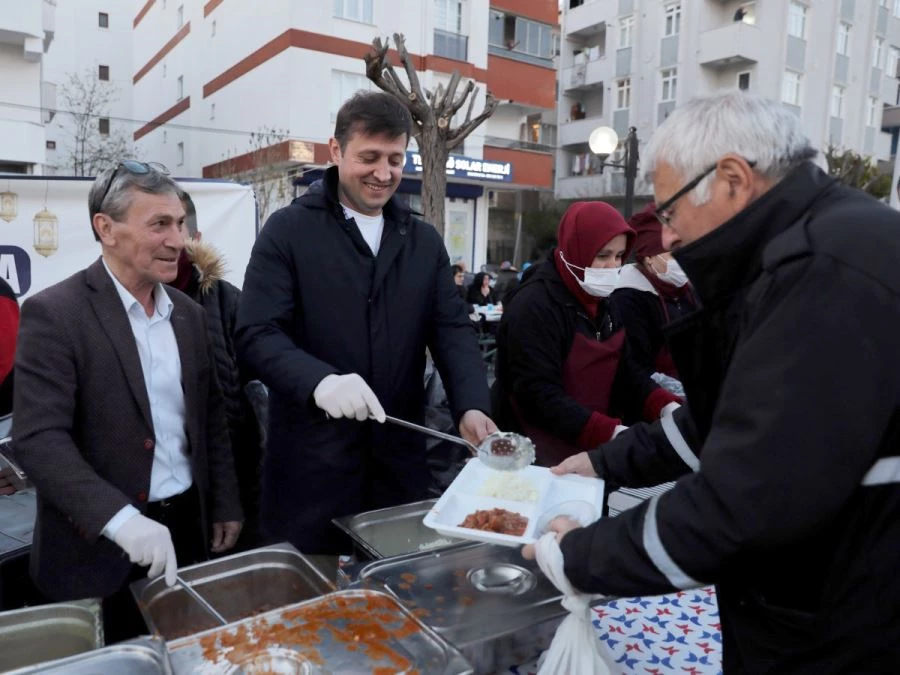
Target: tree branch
[[460, 101], [456, 136]]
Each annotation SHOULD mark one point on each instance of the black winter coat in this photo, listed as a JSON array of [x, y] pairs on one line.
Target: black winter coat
[[219, 298], [792, 374], [315, 302], [640, 308], [533, 341]]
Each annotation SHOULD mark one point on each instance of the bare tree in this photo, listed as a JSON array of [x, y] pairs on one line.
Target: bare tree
[[263, 167], [857, 171], [432, 113], [84, 101]]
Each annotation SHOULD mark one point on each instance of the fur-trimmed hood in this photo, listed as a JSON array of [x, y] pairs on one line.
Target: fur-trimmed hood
[[207, 261]]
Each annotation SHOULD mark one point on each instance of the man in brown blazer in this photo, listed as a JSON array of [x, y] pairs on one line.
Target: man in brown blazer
[[119, 420]]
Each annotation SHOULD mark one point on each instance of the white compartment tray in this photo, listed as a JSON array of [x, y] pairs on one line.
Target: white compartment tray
[[462, 498]]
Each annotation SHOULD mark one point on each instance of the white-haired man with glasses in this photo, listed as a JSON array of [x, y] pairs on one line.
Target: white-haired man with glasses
[[120, 421], [787, 454]]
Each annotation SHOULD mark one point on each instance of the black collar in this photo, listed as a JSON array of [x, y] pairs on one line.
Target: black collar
[[730, 257], [323, 194]]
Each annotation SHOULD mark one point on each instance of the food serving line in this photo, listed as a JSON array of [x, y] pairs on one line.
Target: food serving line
[[426, 595]]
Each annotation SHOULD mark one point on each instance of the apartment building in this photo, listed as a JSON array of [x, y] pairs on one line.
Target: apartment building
[[91, 55], [26, 32], [628, 63], [207, 74]]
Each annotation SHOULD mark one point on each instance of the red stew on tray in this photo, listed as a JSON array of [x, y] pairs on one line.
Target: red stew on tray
[[499, 521]]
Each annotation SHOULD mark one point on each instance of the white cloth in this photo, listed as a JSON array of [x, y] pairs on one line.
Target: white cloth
[[161, 366], [347, 396], [370, 227], [575, 649]]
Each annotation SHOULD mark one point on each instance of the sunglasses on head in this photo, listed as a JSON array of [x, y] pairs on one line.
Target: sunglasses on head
[[135, 167]]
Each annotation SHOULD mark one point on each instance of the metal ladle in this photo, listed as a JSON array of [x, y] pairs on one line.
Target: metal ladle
[[501, 450], [200, 600]]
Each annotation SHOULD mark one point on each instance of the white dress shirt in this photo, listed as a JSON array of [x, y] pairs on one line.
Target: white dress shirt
[[161, 365], [370, 227]]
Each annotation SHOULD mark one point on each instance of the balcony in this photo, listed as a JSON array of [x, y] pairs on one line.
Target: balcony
[[28, 24], [736, 44], [451, 45], [23, 142], [587, 75], [589, 19], [578, 131]]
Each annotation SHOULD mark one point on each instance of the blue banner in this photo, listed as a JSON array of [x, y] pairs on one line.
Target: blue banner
[[465, 167]]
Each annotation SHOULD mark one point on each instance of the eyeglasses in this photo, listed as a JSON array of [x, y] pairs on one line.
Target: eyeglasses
[[661, 212], [135, 167]]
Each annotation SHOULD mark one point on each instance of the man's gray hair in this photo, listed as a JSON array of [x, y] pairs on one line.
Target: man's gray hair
[[120, 194], [697, 134]]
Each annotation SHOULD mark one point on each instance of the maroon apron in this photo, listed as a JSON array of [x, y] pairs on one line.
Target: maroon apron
[[588, 374]]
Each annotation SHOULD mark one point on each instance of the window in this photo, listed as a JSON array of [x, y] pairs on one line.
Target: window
[[746, 13], [743, 81], [872, 112], [51, 145], [448, 15], [355, 10], [843, 39], [179, 157], [449, 38], [103, 125], [103, 20], [180, 87], [669, 81], [673, 19], [626, 27], [878, 53], [897, 8], [103, 73], [179, 13], [837, 101], [521, 35], [797, 20], [623, 94], [343, 86], [164, 68], [165, 136], [212, 111], [212, 28], [893, 61], [790, 88]]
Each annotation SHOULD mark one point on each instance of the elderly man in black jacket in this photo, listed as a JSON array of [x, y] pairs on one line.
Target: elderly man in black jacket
[[344, 292], [788, 458]]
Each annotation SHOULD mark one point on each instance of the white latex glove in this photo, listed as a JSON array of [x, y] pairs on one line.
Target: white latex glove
[[348, 396], [148, 543]]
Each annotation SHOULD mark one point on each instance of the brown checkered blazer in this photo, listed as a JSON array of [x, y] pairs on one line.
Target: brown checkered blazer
[[83, 431]]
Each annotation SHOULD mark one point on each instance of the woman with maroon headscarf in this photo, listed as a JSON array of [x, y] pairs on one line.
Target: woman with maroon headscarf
[[564, 375], [651, 292]]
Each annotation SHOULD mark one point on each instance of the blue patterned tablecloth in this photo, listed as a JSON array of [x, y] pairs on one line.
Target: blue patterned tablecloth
[[676, 633]]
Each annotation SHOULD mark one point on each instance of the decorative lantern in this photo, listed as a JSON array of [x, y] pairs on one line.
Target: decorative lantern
[[46, 232], [9, 205]]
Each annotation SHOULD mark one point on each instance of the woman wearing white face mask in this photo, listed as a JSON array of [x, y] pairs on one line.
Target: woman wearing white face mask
[[651, 293], [564, 374]]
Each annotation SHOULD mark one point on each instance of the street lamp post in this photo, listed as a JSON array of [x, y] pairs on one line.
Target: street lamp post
[[603, 141]]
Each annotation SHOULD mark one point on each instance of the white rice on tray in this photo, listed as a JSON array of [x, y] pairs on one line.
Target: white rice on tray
[[437, 543], [507, 485]]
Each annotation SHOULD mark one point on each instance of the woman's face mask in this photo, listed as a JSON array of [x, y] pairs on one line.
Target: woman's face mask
[[598, 281], [673, 275]]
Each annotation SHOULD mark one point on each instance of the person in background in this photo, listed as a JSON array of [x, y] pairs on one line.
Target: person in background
[[9, 328], [201, 272], [787, 453], [564, 373], [344, 292], [459, 276], [120, 422], [650, 293], [480, 292], [505, 276]]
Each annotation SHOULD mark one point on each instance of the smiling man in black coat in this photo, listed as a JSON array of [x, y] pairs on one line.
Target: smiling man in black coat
[[344, 292]]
